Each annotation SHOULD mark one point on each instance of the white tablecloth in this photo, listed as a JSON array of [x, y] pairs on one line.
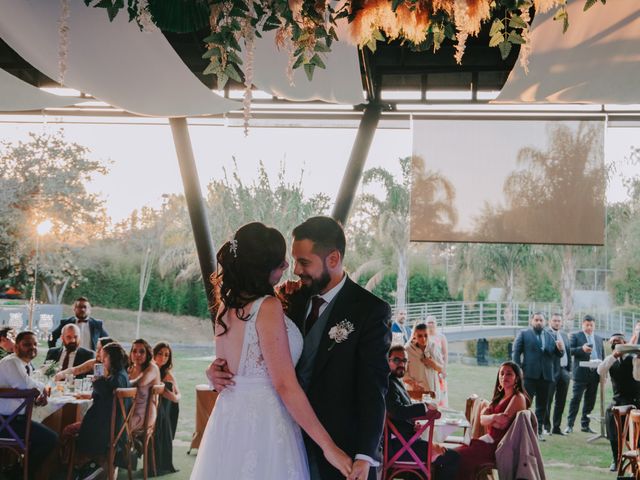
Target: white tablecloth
[[56, 403]]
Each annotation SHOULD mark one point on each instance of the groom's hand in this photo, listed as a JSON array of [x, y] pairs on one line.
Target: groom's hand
[[219, 375], [360, 470]]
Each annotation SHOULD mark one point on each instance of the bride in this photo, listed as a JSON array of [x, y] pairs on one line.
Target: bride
[[254, 429]]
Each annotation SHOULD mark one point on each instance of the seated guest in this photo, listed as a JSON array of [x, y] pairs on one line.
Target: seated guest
[[167, 409], [15, 372], [87, 367], [7, 341], [70, 354], [93, 432], [626, 390], [143, 374], [402, 412], [509, 397], [425, 362]]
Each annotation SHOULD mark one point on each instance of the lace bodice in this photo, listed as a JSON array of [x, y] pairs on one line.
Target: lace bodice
[[251, 360]]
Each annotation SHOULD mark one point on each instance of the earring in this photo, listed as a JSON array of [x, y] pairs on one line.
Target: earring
[[500, 388]]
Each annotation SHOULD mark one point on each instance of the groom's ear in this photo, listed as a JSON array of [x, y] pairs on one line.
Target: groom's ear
[[333, 259]]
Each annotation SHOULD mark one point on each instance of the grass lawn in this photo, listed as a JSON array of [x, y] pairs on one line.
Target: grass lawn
[[566, 458]]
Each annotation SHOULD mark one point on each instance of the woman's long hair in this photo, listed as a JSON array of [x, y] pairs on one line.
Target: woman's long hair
[[167, 366], [245, 264], [498, 391], [148, 353], [117, 357]]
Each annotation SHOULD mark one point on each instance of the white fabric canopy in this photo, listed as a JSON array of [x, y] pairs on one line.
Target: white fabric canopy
[[113, 61], [16, 96], [340, 82], [596, 61]]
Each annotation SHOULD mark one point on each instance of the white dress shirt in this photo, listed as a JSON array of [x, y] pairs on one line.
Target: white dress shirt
[[72, 357], [13, 374], [327, 297], [85, 334]]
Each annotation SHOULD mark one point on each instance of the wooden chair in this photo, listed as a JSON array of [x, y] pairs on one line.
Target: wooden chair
[[461, 440], [621, 419], [629, 458], [14, 442], [418, 467], [148, 431], [116, 435]]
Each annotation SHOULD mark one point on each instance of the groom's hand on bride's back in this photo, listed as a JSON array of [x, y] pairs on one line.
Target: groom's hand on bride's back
[[219, 375]]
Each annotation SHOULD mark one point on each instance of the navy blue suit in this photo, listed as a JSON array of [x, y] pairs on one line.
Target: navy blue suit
[[535, 353], [95, 327], [585, 380]]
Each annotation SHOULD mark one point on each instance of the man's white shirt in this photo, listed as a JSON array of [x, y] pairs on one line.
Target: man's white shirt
[[13, 374], [85, 334]]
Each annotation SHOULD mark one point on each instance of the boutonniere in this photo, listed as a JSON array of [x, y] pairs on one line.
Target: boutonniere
[[340, 332]]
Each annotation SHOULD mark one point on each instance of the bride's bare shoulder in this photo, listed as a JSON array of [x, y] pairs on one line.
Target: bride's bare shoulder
[[270, 309]]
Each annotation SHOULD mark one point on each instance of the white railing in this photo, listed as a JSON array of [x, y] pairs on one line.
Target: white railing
[[492, 314]]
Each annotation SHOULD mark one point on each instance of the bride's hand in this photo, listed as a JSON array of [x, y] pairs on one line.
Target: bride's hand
[[340, 460]]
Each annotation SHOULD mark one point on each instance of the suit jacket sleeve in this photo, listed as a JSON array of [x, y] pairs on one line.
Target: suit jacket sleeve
[[56, 332], [551, 346], [372, 379], [398, 411], [102, 332], [576, 349], [52, 354], [518, 348]]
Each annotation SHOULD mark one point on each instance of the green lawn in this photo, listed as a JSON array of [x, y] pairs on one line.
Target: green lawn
[[566, 458]]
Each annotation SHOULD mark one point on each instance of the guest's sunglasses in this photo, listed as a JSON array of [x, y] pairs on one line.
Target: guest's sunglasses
[[398, 361]]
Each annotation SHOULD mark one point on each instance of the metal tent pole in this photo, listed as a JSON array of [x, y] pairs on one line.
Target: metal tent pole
[[195, 203], [355, 166]]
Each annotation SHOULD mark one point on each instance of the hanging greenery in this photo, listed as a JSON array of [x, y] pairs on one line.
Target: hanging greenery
[[307, 28]]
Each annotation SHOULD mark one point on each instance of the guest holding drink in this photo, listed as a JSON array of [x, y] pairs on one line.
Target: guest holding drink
[[509, 397], [442, 348], [87, 367], [93, 432], [561, 376], [168, 409], [143, 374]]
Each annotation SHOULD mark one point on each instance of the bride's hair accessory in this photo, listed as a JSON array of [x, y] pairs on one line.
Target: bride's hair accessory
[[233, 247]]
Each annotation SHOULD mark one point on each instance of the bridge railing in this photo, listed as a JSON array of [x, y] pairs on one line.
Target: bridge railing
[[479, 314]]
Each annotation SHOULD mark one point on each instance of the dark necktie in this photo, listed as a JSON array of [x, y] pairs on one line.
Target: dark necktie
[[316, 303], [539, 340], [65, 362], [28, 369]]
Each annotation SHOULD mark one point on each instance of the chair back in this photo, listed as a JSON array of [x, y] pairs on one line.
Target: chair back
[[152, 401], [419, 467], [26, 398], [471, 401], [123, 432], [477, 429], [621, 419], [634, 427]]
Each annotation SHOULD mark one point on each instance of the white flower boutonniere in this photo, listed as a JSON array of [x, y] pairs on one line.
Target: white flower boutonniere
[[340, 332]]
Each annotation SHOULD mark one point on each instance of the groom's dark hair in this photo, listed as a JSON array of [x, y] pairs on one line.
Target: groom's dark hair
[[325, 233]]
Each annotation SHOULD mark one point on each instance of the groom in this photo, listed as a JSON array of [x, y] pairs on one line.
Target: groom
[[343, 367]]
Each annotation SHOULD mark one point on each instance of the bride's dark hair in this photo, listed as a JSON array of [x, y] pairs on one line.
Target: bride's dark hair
[[244, 266]]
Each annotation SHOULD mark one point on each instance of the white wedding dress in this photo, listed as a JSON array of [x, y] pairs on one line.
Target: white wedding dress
[[250, 434]]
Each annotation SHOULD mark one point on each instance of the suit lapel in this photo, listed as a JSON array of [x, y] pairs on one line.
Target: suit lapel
[[338, 313]]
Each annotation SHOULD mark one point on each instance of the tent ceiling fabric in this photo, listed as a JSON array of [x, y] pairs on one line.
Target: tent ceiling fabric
[[17, 96], [113, 61], [340, 82], [596, 61]]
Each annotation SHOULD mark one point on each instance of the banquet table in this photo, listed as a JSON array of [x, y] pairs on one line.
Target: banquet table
[[448, 423], [61, 411]]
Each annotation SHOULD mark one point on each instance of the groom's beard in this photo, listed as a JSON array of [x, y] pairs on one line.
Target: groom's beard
[[317, 284]]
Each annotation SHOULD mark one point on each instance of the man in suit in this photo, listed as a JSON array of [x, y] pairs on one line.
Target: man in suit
[[90, 329], [70, 354], [534, 351], [15, 372], [584, 346], [344, 376], [626, 390], [402, 412], [561, 377]]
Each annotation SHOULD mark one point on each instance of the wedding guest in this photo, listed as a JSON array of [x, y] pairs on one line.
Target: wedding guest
[[168, 409], [584, 346], [7, 341], [402, 413], [425, 363], [15, 372], [442, 346], [534, 350], [626, 390], [400, 331], [70, 353], [93, 432], [87, 367], [635, 338], [509, 397], [143, 374], [561, 377], [90, 328]]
